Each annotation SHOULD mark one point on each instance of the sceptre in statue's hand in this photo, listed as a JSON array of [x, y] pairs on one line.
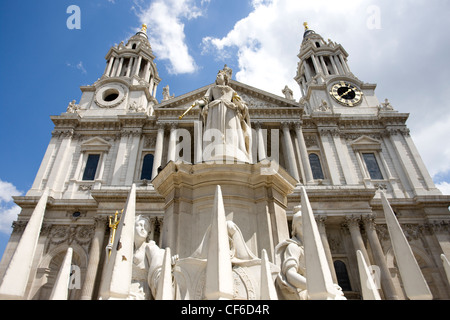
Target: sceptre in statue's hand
[[196, 103]]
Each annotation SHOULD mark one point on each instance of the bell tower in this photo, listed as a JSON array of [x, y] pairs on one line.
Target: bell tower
[[128, 84], [326, 81]]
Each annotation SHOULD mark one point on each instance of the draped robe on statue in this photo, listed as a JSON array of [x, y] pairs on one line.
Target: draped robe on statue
[[227, 130]]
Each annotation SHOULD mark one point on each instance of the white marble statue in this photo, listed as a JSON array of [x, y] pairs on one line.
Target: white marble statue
[[155, 258], [290, 254], [139, 289], [226, 121], [147, 263]]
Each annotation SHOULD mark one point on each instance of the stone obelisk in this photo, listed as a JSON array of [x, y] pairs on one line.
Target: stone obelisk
[[117, 279], [319, 281], [16, 277], [61, 288], [414, 283]]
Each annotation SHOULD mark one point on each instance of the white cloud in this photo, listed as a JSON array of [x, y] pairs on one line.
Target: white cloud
[[269, 39], [404, 50], [8, 210], [444, 187], [78, 66], [166, 30], [81, 67], [433, 145]]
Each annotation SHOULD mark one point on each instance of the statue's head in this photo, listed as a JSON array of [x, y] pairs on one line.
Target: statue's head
[[227, 73], [142, 226]]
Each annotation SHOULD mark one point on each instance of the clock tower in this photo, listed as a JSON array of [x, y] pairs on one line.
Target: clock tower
[[326, 82]]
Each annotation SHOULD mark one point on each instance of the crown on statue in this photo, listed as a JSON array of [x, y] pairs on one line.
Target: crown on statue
[[228, 71]]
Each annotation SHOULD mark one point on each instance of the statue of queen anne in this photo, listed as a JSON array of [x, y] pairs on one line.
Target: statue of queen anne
[[226, 122]]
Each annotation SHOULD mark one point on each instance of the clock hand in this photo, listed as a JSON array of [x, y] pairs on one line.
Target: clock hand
[[345, 93]]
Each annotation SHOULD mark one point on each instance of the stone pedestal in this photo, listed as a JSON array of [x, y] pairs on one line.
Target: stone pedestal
[[253, 199]]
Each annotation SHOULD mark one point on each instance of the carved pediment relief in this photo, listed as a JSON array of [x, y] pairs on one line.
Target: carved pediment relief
[[255, 98], [95, 144], [366, 143]]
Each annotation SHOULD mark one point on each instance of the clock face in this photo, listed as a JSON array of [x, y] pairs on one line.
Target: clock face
[[346, 94]]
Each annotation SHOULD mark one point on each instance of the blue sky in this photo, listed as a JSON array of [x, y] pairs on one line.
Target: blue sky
[[401, 45]]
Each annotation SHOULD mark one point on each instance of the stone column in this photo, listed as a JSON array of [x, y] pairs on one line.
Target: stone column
[[130, 67], [118, 166], [316, 65], [109, 66], [94, 259], [344, 160], [147, 72], [38, 181], [330, 160], [290, 150], [138, 66], [323, 235], [324, 66], [119, 69], [344, 64], [307, 72], [261, 145], [158, 150], [115, 66], [59, 170], [355, 232], [333, 63], [132, 156], [380, 260], [304, 153]]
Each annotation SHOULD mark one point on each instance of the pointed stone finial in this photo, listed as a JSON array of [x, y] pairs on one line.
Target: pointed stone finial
[[117, 275], [320, 284], [61, 288], [446, 266], [165, 290], [219, 274], [268, 290], [368, 287], [17, 274], [416, 287]]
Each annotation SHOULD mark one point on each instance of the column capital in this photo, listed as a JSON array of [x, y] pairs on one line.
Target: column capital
[[257, 124], [160, 125], [285, 124], [353, 221], [298, 125]]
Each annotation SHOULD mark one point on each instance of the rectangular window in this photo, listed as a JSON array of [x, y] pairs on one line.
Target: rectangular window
[[147, 167], [372, 166], [91, 167]]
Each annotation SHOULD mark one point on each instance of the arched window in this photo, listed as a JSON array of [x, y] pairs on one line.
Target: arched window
[[147, 167], [342, 275], [316, 167]]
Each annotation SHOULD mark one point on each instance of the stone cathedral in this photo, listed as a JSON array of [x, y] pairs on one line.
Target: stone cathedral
[[230, 192]]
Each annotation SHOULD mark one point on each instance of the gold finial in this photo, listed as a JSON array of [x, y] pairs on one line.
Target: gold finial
[[144, 28], [306, 25]]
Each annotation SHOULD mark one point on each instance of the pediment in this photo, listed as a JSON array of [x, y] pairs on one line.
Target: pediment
[[95, 144], [366, 143], [255, 98]]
